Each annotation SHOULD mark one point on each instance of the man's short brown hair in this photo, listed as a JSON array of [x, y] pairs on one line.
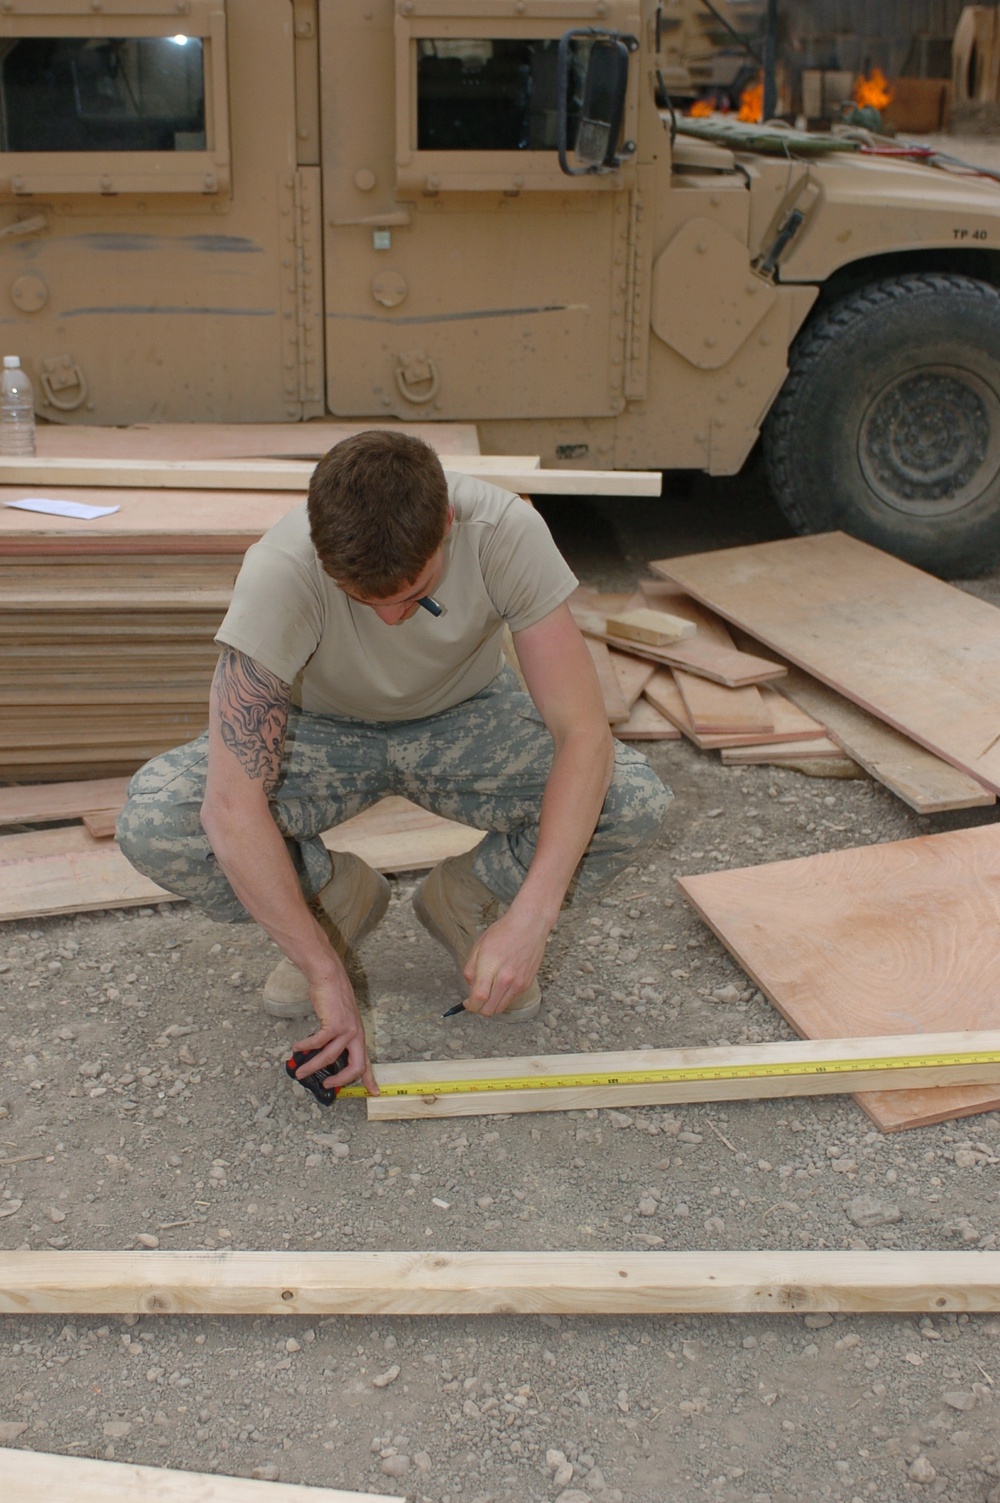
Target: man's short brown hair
[[378, 510]]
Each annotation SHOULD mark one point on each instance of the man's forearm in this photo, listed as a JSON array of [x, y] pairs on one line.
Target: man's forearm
[[578, 782], [252, 853]]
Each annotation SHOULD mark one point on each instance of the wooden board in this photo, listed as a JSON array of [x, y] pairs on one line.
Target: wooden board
[[40, 1477], [615, 706], [715, 710], [915, 652], [646, 724], [632, 674], [516, 472], [917, 776], [654, 628], [663, 693], [781, 751], [494, 1283], [898, 937], [50, 801], [868, 1074]]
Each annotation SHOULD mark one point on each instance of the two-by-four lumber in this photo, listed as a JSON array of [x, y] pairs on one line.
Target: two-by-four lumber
[[912, 650], [817, 1067], [495, 1283], [40, 1477]]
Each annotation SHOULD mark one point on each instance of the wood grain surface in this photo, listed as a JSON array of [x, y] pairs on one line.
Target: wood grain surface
[[899, 938], [40, 1477], [915, 652], [494, 1283]]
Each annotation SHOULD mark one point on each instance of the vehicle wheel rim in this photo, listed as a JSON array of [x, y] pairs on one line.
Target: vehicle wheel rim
[[930, 441]]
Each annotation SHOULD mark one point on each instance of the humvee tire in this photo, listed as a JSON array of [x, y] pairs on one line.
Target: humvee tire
[[888, 425]]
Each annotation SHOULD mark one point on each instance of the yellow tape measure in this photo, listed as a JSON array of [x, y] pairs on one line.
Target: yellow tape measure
[[678, 1074]]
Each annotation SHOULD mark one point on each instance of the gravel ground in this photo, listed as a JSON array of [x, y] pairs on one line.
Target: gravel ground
[[144, 1103]]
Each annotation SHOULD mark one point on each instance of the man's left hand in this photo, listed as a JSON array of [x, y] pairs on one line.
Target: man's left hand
[[504, 961]]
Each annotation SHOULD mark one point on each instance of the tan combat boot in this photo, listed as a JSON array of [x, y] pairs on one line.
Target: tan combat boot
[[455, 907], [348, 908]]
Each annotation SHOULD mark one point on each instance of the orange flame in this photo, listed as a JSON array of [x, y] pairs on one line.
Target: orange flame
[[752, 103], [873, 91], [700, 109]]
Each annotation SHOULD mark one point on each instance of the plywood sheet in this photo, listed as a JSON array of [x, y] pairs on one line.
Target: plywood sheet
[[915, 652], [894, 938]]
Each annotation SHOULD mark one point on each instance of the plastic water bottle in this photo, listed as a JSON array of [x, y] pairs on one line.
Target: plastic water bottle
[[17, 409]]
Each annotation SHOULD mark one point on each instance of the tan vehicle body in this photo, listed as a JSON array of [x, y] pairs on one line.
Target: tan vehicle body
[[309, 258]]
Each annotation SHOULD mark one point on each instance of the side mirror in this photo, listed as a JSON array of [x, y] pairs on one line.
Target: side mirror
[[591, 109]]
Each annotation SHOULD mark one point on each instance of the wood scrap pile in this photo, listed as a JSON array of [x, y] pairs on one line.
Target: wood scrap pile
[[830, 651]]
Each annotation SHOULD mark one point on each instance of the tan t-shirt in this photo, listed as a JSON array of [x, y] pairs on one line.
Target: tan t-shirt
[[501, 565]]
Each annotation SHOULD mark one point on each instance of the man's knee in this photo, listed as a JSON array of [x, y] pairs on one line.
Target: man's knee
[[638, 800]]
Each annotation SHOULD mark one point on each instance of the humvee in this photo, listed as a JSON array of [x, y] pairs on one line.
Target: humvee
[[484, 210]]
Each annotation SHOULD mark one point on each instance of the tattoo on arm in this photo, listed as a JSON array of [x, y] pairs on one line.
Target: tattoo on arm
[[253, 715]]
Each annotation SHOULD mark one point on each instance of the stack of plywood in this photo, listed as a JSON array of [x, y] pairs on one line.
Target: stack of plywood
[[105, 660], [865, 661]]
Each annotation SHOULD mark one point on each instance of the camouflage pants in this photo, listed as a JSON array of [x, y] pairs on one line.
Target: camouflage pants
[[483, 762]]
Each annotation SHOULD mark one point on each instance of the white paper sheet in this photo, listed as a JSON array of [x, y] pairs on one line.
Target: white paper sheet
[[63, 508]]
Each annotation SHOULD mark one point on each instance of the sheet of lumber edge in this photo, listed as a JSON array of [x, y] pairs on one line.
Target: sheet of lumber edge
[[47, 801], [818, 600], [615, 706], [513, 472], [41, 1477], [495, 1283], [236, 440], [925, 782], [868, 1076]]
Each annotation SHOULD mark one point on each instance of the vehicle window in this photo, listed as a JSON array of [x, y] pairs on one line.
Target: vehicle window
[[482, 95], [102, 94]]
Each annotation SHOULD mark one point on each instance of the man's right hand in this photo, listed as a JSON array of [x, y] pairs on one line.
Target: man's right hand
[[340, 1028]]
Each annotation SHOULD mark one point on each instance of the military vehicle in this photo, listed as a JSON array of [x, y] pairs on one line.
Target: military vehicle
[[484, 210]]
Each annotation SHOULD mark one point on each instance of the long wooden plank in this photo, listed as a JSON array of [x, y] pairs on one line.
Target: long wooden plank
[[512, 471], [495, 1283], [40, 1477], [51, 801], [798, 1058], [615, 706], [918, 653], [917, 776], [897, 937], [632, 674]]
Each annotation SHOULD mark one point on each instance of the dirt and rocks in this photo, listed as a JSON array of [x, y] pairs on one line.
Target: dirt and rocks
[[143, 1103]]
